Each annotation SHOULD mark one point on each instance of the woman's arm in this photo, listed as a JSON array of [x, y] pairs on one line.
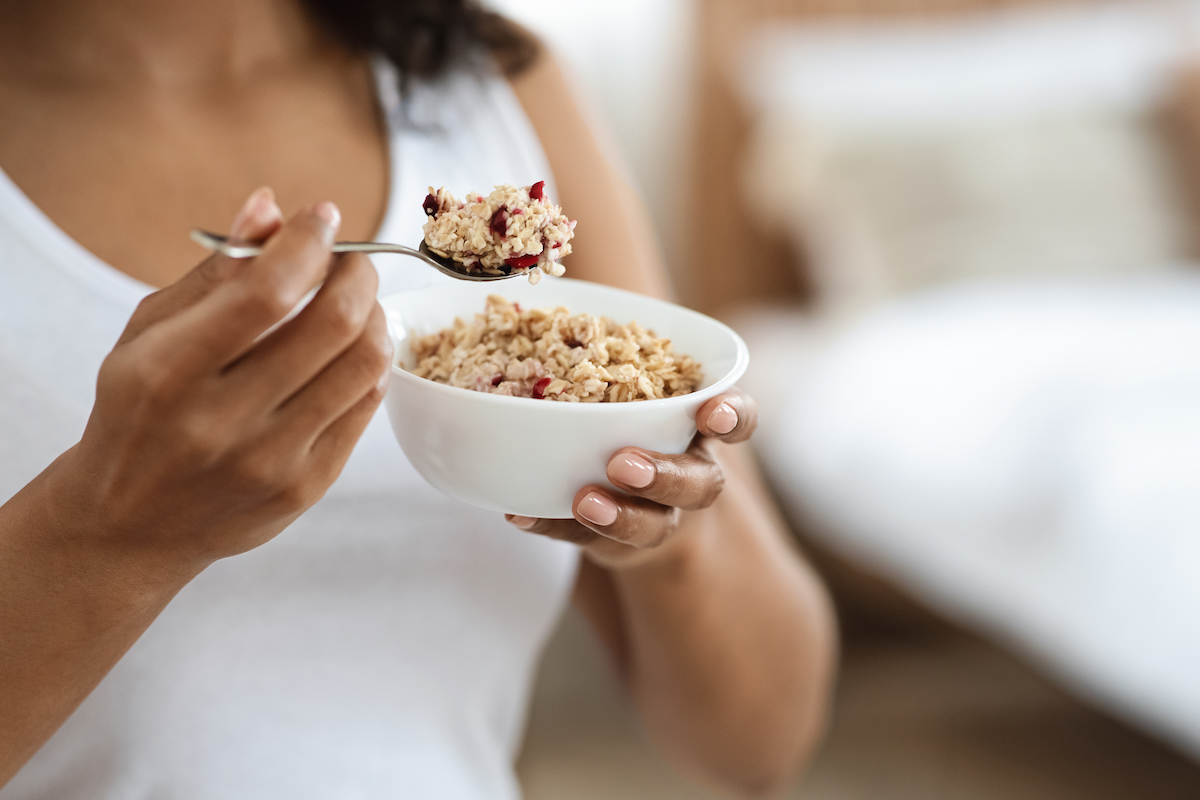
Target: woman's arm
[[205, 441], [724, 634]]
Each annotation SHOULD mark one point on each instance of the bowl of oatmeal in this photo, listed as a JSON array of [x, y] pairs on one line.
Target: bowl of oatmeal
[[514, 399]]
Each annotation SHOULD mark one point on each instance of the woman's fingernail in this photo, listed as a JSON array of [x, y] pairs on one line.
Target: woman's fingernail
[[723, 419], [330, 215], [255, 212], [598, 509], [524, 523], [631, 470]]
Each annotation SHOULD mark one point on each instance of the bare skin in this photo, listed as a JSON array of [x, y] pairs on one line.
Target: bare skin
[[187, 107], [724, 635]]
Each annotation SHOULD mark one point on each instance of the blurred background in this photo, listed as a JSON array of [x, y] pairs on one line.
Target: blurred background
[[959, 237]]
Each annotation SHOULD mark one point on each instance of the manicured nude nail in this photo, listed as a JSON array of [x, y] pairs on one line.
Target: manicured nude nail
[[631, 470], [255, 212], [598, 509], [723, 419], [524, 523], [330, 215]]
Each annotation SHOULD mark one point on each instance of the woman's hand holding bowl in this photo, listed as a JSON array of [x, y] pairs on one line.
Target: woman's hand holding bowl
[[645, 520]]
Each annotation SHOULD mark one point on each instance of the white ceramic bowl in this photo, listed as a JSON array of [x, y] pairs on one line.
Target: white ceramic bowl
[[530, 457]]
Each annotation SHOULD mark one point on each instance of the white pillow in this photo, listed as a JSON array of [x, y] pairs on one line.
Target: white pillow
[[901, 155]]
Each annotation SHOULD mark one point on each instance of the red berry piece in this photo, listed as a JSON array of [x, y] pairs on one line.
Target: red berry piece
[[499, 223], [538, 191], [496, 381], [521, 262], [431, 205], [539, 388]]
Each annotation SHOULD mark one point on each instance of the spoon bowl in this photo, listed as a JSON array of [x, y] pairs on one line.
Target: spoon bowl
[[446, 266]]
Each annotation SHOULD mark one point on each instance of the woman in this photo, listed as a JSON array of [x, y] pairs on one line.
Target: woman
[[384, 645]]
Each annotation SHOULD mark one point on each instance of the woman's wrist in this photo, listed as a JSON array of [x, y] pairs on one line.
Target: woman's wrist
[[72, 602], [54, 521]]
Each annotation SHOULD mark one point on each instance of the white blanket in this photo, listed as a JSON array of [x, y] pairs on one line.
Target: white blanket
[[1025, 456]]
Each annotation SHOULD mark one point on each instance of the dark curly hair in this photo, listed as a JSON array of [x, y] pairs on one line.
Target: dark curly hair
[[423, 37]]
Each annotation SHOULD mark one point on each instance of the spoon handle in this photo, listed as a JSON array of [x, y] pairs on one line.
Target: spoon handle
[[374, 247], [222, 245], [446, 266]]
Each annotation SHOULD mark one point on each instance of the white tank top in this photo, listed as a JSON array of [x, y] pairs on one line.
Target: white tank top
[[383, 646]]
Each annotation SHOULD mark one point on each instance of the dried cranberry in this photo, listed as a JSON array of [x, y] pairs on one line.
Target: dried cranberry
[[538, 190], [521, 262], [496, 381], [431, 205], [499, 223], [539, 388]]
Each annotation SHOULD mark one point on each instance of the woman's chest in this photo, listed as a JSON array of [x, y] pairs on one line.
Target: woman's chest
[[128, 175]]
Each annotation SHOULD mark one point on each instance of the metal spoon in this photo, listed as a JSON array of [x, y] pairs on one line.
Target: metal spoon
[[446, 266]]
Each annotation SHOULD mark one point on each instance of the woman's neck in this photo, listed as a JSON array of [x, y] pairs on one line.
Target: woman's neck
[[164, 43]]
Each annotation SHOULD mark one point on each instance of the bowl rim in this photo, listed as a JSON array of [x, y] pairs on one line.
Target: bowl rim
[[731, 376]]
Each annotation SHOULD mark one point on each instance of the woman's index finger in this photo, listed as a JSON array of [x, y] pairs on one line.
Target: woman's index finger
[[257, 221], [223, 325]]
